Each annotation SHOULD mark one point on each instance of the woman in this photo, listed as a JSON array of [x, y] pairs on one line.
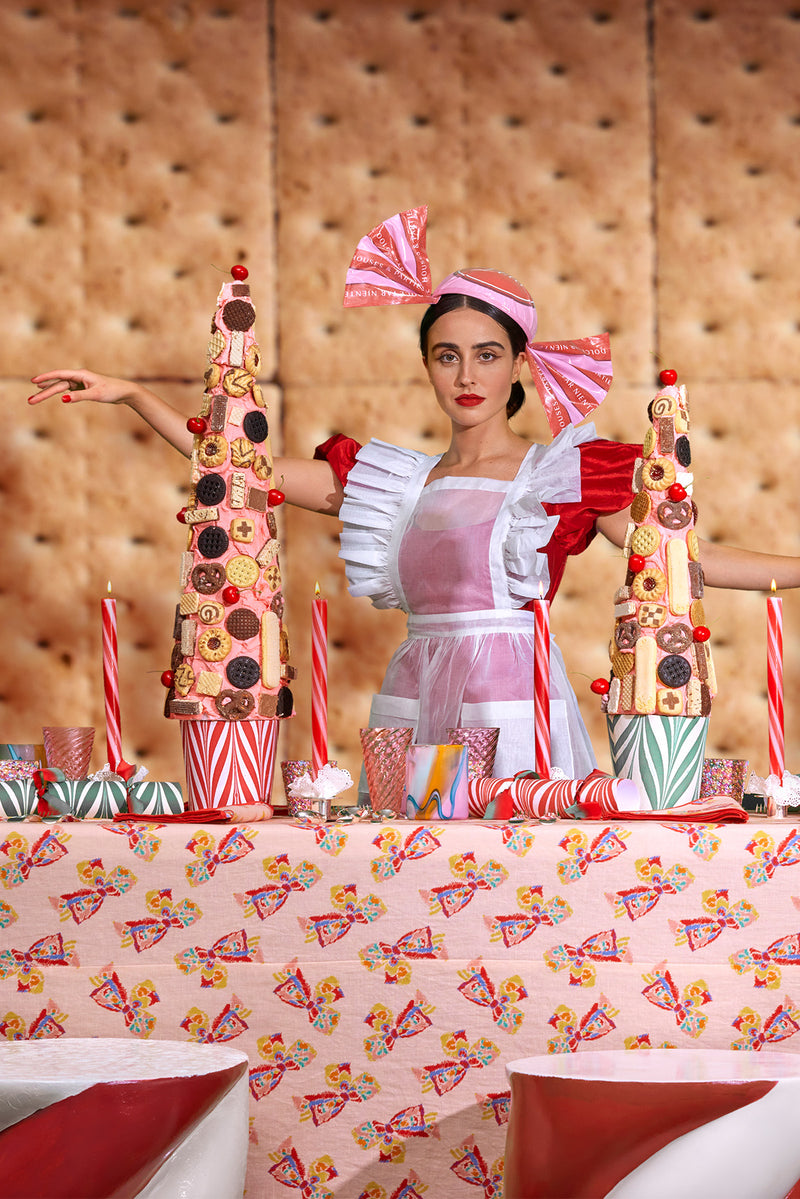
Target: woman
[[466, 540]]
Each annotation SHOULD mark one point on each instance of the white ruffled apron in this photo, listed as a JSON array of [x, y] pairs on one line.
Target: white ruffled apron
[[475, 546]]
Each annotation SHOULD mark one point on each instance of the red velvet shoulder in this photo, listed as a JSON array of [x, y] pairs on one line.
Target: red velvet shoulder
[[340, 454], [606, 486]]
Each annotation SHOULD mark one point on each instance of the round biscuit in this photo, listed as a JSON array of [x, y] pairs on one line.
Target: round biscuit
[[645, 540], [242, 570]]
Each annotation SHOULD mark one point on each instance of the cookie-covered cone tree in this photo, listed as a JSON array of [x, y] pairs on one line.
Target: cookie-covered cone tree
[[229, 675], [662, 681]]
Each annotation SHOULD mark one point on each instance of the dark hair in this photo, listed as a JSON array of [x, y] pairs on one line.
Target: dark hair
[[516, 335]]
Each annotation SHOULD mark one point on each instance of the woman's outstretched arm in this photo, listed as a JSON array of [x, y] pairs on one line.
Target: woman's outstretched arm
[[82, 385], [723, 565], [306, 484]]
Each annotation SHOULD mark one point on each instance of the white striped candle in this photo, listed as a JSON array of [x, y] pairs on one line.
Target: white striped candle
[[777, 756]]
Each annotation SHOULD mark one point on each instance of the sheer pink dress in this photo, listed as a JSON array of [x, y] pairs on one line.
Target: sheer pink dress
[[463, 557]]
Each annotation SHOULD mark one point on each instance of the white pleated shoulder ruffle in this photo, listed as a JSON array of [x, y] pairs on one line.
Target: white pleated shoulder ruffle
[[385, 483], [550, 474], [381, 491]]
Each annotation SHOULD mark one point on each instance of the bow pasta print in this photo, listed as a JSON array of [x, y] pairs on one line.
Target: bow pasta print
[[662, 992], [781, 1024], [27, 964], [278, 1061], [495, 1106], [311, 1183], [81, 905], [444, 1076], [109, 993], [230, 949], [233, 846], [642, 1041], [468, 879], [768, 859], [767, 963], [147, 931], [46, 850], [344, 1089], [412, 1020], [229, 1024], [389, 1136], [330, 838], [46, 1026], [573, 1031], [283, 879], [8, 914], [579, 959], [142, 839], [702, 839], [293, 989], [394, 958], [398, 849], [408, 1189], [348, 911], [471, 1167], [516, 838], [500, 1000], [581, 854], [518, 926], [655, 881], [721, 914]]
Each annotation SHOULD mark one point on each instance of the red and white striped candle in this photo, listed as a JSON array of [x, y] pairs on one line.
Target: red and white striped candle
[[319, 682], [541, 685], [777, 756], [111, 681]]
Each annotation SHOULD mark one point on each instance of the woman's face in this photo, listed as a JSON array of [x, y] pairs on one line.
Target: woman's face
[[471, 366]]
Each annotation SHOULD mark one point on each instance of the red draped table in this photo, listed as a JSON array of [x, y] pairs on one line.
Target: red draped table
[[379, 977]]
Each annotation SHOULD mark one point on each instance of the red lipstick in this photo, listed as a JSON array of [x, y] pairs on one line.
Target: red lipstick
[[469, 401]]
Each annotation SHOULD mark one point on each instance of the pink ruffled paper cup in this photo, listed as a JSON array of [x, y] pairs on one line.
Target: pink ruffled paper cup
[[481, 745], [68, 749], [384, 753]]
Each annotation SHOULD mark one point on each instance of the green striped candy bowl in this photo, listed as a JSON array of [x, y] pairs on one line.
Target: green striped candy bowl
[[663, 754]]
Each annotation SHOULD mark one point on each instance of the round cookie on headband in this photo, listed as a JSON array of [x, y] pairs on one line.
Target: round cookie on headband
[[391, 266]]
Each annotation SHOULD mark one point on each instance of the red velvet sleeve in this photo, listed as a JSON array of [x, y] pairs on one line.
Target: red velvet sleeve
[[606, 486], [340, 454]]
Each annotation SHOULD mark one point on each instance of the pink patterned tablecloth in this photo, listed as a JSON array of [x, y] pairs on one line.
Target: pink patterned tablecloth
[[379, 977]]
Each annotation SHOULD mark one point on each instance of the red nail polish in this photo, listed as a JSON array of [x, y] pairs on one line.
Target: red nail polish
[[66, 399]]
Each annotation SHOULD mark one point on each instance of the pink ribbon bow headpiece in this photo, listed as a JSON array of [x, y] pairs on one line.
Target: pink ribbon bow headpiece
[[390, 266]]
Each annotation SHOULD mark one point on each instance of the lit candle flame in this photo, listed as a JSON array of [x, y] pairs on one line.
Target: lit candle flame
[[317, 592], [772, 587], [108, 589]]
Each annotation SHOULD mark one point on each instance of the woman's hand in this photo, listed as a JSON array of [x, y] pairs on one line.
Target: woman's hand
[[73, 385]]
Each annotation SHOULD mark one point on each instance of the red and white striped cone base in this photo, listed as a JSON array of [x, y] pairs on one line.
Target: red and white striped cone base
[[228, 761]]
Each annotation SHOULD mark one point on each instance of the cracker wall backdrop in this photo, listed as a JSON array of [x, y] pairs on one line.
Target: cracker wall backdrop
[[635, 164]]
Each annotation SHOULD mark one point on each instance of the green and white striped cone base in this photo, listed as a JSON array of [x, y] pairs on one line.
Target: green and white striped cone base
[[663, 754]]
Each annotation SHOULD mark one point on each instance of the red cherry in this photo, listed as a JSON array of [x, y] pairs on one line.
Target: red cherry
[[181, 516], [668, 378], [676, 492], [239, 272], [636, 563], [230, 595], [701, 633], [599, 686], [275, 497], [196, 424], [167, 678]]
